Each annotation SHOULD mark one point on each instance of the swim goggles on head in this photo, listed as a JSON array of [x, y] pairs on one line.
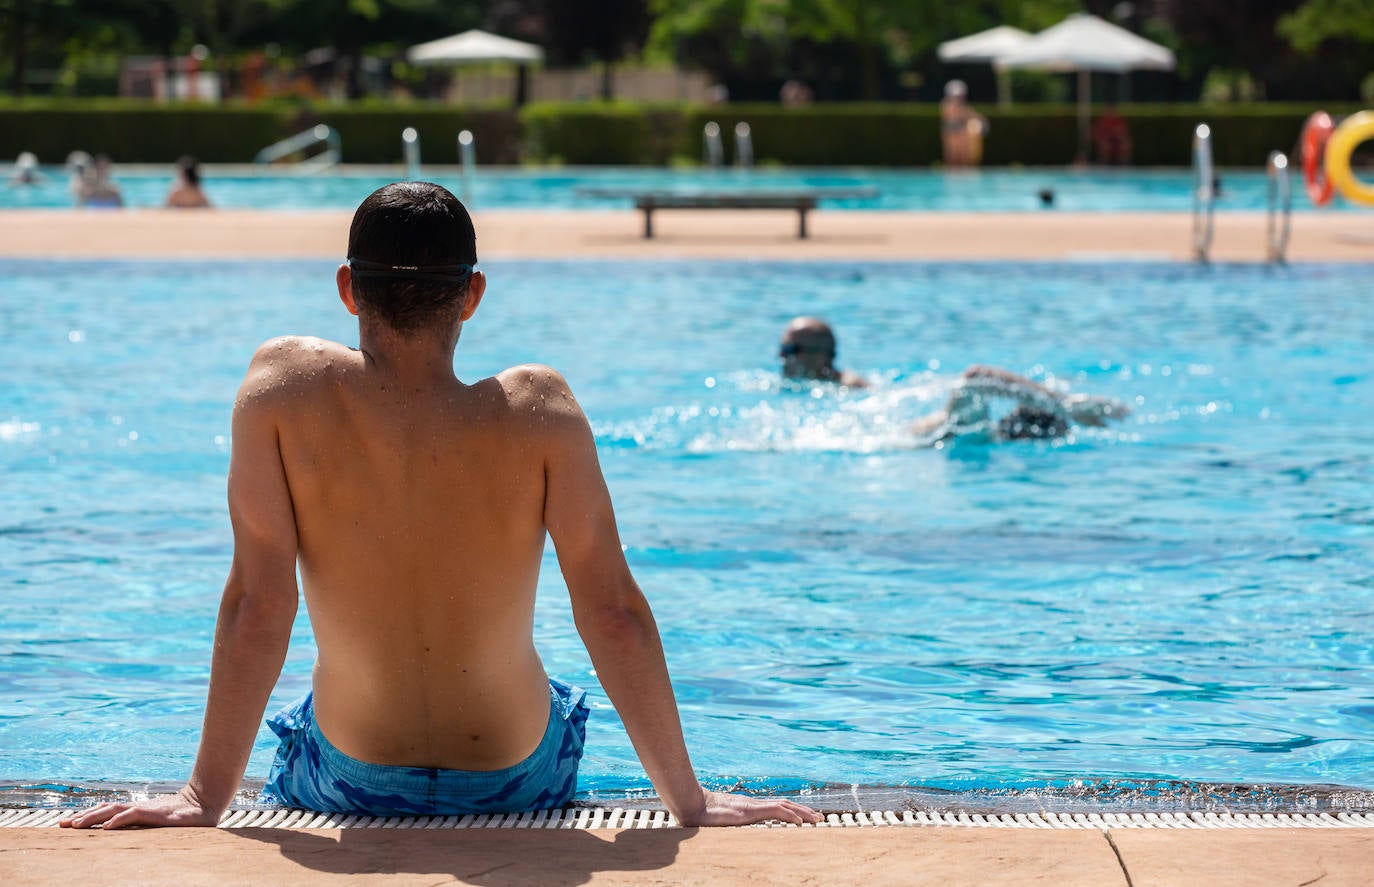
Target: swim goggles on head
[[790, 349], [439, 273]]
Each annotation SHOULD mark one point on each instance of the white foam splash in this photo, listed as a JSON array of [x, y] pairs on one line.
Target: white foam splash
[[14, 429]]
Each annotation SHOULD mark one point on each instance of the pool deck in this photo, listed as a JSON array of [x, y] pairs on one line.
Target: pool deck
[[879, 856], [699, 234], [793, 856]]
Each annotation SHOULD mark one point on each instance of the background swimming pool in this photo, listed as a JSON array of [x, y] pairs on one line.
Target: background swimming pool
[[993, 190], [1186, 597]]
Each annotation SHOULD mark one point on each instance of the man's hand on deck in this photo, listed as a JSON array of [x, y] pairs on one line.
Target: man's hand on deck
[[725, 809], [180, 809]]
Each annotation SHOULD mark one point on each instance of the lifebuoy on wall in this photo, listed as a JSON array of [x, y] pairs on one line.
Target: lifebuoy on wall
[[1353, 130], [1315, 134]]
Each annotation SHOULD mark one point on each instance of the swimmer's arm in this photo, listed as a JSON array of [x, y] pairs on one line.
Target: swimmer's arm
[[1085, 409], [995, 382], [617, 626], [253, 629]]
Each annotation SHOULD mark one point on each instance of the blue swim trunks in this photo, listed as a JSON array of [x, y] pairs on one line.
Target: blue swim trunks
[[310, 772]]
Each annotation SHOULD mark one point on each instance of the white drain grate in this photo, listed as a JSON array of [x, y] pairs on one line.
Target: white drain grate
[[601, 817]]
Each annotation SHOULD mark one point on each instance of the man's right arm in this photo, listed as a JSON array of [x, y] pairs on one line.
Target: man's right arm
[[616, 624], [1085, 409]]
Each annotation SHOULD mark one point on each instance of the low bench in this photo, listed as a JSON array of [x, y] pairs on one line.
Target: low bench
[[803, 201]]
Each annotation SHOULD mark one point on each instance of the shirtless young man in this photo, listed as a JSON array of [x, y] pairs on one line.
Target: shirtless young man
[[416, 507]]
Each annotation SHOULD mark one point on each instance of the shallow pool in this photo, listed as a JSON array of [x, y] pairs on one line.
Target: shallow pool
[[1183, 599], [989, 190]]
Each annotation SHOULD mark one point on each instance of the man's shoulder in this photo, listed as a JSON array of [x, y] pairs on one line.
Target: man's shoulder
[[536, 390], [532, 379], [287, 365]]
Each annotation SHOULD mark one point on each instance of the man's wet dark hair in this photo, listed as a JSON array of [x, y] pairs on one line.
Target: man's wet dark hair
[[190, 168], [405, 241]]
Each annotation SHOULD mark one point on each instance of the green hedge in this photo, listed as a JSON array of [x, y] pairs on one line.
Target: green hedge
[[632, 134], [608, 134], [373, 134], [898, 134], [136, 132], [141, 132]]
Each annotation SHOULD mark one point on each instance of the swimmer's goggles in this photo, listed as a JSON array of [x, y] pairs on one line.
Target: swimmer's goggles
[[459, 274], [791, 349]]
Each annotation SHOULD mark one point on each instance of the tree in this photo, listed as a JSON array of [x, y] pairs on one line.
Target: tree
[[1317, 21], [573, 32], [351, 26], [789, 37], [29, 24]]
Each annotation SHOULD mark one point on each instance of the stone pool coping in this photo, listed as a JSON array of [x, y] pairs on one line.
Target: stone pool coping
[[706, 234], [877, 855]]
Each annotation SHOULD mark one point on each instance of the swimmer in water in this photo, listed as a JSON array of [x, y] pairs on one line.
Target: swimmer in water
[[1040, 413], [808, 352], [26, 171]]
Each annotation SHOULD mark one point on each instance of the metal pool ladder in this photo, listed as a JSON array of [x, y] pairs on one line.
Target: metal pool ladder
[[1204, 196], [1279, 200], [316, 135]]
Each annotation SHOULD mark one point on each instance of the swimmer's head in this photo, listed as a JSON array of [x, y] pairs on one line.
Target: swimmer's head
[[78, 162], [26, 160], [189, 169], [956, 89], [808, 350], [411, 249]]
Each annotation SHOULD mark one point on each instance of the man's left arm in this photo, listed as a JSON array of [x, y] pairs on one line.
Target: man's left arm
[[252, 632]]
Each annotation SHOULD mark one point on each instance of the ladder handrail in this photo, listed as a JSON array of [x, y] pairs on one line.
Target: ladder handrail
[[1204, 197], [1279, 198], [712, 149], [467, 160], [315, 135], [744, 145], [410, 152]]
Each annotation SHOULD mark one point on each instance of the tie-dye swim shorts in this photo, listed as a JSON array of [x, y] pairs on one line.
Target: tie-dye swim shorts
[[310, 772]]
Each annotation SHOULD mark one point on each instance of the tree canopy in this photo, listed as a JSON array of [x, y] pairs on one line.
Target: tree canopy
[[843, 49]]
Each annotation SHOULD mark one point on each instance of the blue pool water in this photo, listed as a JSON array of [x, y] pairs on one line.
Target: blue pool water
[[991, 190], [1183, 599]]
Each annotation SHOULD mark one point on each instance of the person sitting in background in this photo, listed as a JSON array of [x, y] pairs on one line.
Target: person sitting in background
[[26, 171], [96, 188], [1112, 138], [186, 192], [808, 352]]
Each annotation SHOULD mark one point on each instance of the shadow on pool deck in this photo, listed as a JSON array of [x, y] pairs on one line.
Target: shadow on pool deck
[[868, 856]]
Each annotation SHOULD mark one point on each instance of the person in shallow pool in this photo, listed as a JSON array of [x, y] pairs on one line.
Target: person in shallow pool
[[808, 351], [186, 192], [416, 506]]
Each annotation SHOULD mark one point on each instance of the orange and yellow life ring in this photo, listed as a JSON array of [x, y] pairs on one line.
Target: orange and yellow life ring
[[1353, 130], [1316, 132]]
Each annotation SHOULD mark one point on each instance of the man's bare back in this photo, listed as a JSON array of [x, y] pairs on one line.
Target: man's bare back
[[416, 507], [423, 614]]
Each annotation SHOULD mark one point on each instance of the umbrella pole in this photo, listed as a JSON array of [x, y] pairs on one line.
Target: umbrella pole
[[1003, 88], [1085, 98]]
